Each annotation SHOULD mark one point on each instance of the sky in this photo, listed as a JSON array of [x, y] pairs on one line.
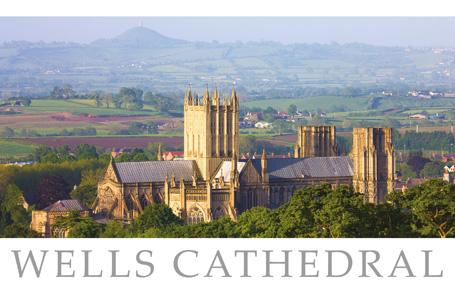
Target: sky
[[388, 31]]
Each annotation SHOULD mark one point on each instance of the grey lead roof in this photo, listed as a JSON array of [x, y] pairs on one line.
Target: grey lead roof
[[316, 167], [66, 206], [155, 171]]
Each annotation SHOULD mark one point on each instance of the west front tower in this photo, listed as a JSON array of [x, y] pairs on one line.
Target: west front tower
[[211, 129]]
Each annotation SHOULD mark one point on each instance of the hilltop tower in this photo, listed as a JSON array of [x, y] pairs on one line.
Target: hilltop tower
[[315, 141], [373, 162], [211, 129]]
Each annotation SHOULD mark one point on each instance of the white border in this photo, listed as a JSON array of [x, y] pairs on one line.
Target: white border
[[227, 8]]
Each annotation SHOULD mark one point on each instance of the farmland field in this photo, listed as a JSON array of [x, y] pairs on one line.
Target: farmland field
[[80, 106], [352, 104], [47, 117], [331, 103], [15, 149], [108, 142]]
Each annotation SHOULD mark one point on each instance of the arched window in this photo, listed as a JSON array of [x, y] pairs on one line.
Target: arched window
[[281, 196], [219, 211], [275, 200], [251, 199], [58, 232], [196, 216]]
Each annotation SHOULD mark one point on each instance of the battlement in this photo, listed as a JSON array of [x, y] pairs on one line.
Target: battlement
[[214, 102]]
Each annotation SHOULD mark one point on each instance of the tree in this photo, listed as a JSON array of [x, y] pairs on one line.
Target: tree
[[51, 189], [98, 101], [130, 98], [153, 148], [248, 143], [270, 109], [391, 219], [281, 126], [258, 222], [57, 92], [68, 91], [85, 193], [14, 219], [85, 151], [62, 92], [85, 228], [406, 172], [160, 102], [18, 231], [156, 216], [8, 132], [115, 229], [292, 109], [222, 227], [417, 162], [296, 218], [432, 205], [341, 214], [136, 155], [108, 99], [78, 226], [431, 170]]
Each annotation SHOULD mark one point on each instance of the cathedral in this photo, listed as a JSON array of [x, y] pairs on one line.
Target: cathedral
[[211, 181]]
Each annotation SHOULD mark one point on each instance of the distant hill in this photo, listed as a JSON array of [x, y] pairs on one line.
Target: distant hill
[[144, 58], [139, 37]]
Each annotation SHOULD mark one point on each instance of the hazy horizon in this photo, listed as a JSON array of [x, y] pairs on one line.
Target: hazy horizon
[[385, 31]]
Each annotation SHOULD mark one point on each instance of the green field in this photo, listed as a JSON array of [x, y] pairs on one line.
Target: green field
[[311, 103], [362, 104], [81, 106], [15, 149]]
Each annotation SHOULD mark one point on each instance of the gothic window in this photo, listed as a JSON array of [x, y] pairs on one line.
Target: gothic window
[[250, 199], [220, 211], [274, 197], [58, 233], [281, 196], [196, 216]]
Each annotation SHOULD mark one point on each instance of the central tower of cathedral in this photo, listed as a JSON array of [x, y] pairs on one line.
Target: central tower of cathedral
[[211, 129], [374, 162]]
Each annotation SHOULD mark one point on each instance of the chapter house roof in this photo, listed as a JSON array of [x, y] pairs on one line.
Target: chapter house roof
[[155, 171], [315, 167], [66, 206]]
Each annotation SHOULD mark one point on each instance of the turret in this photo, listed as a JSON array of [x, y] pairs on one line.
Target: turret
[[233, 166], [188, 100], [159, 156], [234, 171], [296, 151], [216, 97], [264, 171], [234, 99], [196, 99], [206, 100]]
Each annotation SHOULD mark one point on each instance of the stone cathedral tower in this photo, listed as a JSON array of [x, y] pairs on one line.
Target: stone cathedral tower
[[373, 162], [315, 141], [211, 129]]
